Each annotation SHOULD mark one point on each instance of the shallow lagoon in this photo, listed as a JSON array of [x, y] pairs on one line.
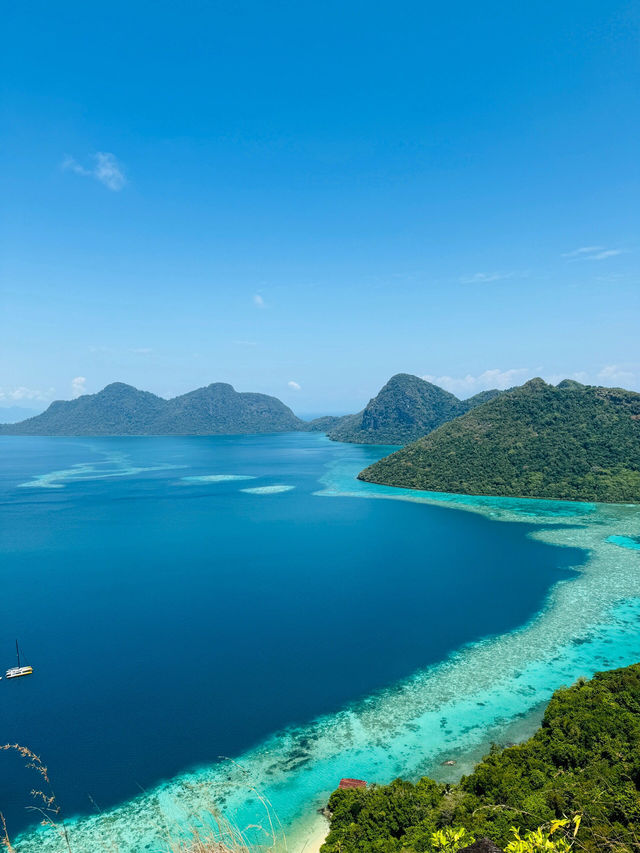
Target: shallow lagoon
[[420, 629]]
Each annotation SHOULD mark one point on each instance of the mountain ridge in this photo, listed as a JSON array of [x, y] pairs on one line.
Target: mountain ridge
[[405, 409], [566, 442], [121, 409]]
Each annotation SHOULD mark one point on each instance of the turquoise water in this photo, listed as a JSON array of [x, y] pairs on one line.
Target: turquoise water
[[632, 542], [308, 625]]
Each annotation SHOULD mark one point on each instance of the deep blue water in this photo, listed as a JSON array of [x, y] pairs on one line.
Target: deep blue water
[[172, 621]]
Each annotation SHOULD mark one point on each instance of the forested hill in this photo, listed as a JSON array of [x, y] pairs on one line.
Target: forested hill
[[585, 760], [405, 409], [326, 423], [570, 442], [120, 409]]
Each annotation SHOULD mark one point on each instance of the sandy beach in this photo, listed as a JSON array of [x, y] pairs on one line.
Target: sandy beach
[[311, 838]]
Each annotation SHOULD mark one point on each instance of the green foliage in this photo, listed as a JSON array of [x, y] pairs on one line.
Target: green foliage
[[450, 839], [120, 409], [405, 409], [326, 423], [569, 442], [541, 839], [584, 760]]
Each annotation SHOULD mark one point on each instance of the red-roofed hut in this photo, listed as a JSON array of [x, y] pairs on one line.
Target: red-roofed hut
[[352, 783]]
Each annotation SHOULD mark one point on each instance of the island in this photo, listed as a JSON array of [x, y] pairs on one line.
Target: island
[[405, 409], [581, 768], [120, 409], [564, 442]]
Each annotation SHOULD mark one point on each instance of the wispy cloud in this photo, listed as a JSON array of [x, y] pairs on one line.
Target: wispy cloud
[[578, 375], [486, 277], [585, 250], [624, 375], [119, 352], [258, 301], [592, 253], [246, 343], [106, 169], [620, 374], [606, 253], [23, 393], [78, 386], [294, 386], [469, 384]]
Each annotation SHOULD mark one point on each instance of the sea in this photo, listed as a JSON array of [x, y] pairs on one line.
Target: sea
[[226, 626]]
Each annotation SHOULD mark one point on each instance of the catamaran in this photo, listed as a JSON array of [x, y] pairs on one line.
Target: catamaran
[[17, 671]]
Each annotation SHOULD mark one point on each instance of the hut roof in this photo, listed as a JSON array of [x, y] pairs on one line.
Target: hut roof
[[352, 783]]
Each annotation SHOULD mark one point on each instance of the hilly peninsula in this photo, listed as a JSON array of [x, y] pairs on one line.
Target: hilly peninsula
[[569, 442], [120, 409], [582, 761], [405, 409]]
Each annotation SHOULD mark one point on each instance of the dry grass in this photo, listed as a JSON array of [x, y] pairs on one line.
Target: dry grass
[[209, 833]]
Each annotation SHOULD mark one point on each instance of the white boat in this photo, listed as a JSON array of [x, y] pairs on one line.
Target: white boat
[[18, 671]]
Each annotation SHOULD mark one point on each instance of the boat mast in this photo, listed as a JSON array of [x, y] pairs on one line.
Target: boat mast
[[18, 652]]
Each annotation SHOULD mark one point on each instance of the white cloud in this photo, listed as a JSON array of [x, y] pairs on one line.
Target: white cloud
[[22, 393], [246, 343], [258, 301], [78, 386], [606, 253], [294, 386], [578, 375], [624, 375], [113, 351], [618, 374], [69, 164], [469, 385], [585, 250], [592, 253], [106, 169], [486, 277]]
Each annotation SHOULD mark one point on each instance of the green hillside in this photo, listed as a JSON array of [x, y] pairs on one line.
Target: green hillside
[[585, 760], [219, 409], [326, 423], [405, 409], [569, 442], [120, 409]]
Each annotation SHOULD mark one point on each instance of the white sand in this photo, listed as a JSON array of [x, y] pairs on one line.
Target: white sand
[[311, 838]]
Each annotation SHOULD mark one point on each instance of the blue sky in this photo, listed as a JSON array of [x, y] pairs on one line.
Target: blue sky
[[305, 198]]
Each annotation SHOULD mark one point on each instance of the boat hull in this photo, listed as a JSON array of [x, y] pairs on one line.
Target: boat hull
[[19, 671]]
